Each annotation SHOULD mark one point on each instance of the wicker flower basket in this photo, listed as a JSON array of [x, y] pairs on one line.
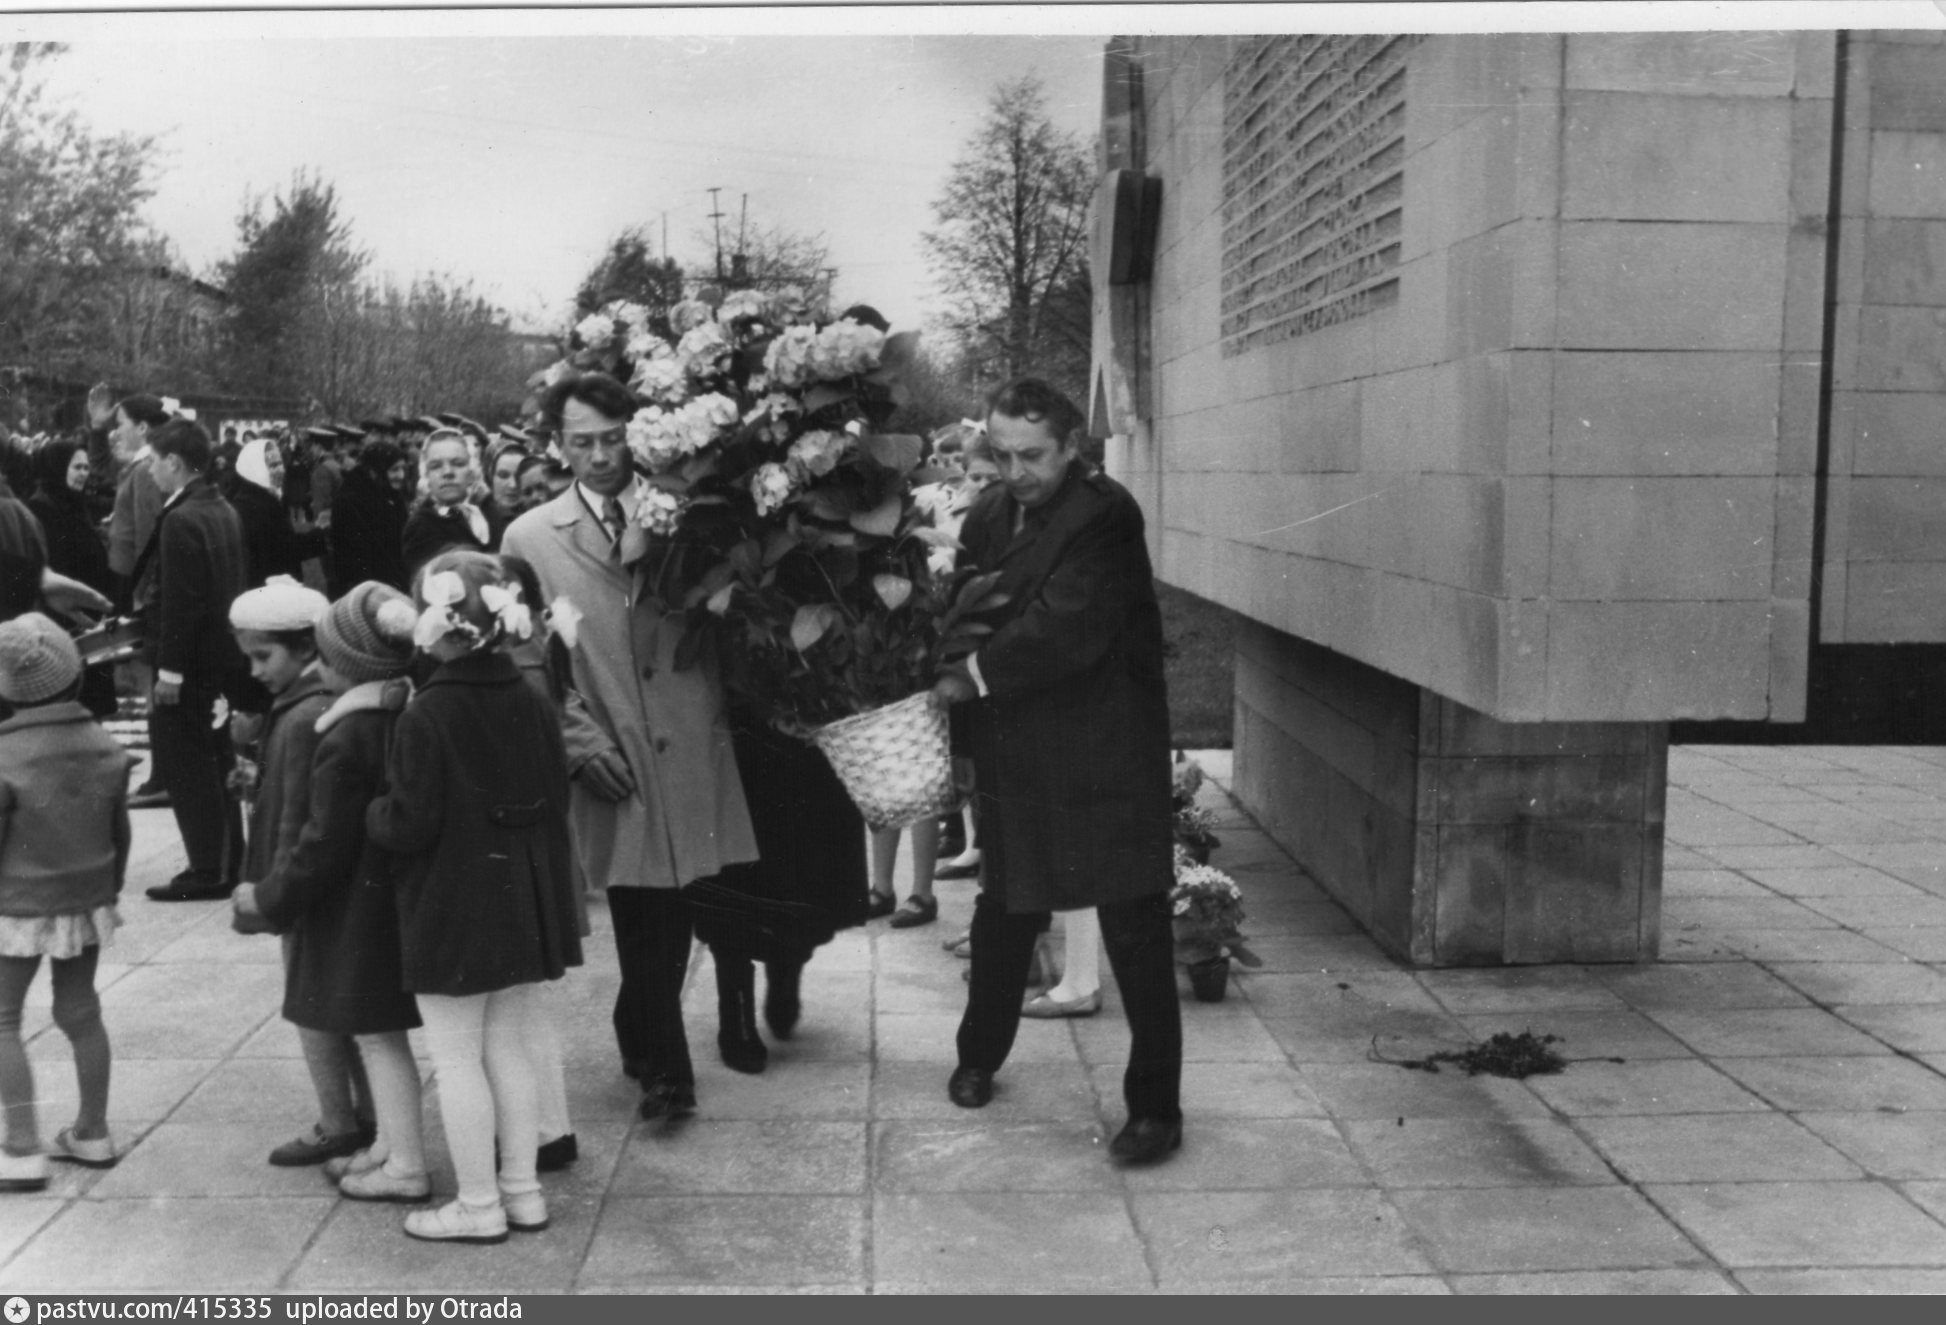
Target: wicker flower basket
[[896, 762]]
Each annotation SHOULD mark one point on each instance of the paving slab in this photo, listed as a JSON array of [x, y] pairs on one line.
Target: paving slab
[[1715, 1147], [999, 1241], [1545, 1228], [1804, 1224], [1464, 1152], [1272, 1236]]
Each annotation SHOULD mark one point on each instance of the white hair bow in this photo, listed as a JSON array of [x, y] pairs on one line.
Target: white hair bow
[[512, 614]]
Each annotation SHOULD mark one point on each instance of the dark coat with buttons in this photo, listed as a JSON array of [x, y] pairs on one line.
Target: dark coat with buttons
[[477, 814], [1070, 746], [331, 892]]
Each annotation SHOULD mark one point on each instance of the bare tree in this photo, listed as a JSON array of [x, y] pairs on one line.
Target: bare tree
[[1010, 252]]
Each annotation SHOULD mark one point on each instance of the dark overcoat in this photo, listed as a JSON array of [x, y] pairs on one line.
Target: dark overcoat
[[331, 893], [1070, 743], [201, 568], [367, 526], [288, 747], [271, 544], [477, 812], [428, 533]]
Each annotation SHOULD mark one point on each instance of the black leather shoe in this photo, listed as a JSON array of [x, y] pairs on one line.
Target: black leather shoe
[[190, 886], [668, 1099], [555, 1155], [1145, 1140], [741, 1054], [970, 1087], [782, 1006], [881, 906]]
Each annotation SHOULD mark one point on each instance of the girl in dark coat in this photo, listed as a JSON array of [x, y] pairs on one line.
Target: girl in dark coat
[[368, 521], [331, 892], [477, 815]]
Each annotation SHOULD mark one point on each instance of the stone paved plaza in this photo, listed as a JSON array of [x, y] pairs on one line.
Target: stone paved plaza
[[1778, 1123]]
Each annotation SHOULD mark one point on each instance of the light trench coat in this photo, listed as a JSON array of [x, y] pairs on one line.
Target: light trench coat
[[687, 818]]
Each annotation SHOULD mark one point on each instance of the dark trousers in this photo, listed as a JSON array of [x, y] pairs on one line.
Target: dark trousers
[[192, 762], [1140, 943], [652, 933]]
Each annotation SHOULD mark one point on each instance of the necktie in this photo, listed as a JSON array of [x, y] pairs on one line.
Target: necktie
[[611, 514]]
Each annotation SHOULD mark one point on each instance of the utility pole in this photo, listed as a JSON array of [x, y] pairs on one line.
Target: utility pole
[[716, 219]]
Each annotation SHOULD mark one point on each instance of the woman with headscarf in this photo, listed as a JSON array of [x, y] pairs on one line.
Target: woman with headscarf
[[74, 546], [503, 504], [273, 545]]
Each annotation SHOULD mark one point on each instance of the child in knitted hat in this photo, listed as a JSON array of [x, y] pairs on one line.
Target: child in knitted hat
[[477, 816], [330, 894], [275, 628], [64, 841]]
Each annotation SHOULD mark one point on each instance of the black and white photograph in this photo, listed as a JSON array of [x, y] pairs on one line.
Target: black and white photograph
[[986, 649]]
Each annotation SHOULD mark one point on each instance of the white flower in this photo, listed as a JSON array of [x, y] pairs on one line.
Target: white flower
[[645, 344], [595, 331], [635, 316], [653, 438], [788, 360], [847, 348], [659, 512], [435, 623], [742, 303], [564, 619], [661, 379], [557, 370], [819, 452], [703, 349], [688, 314], [771, 486]]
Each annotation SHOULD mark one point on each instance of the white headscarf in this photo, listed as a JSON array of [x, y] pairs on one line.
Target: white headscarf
[[250, 464]]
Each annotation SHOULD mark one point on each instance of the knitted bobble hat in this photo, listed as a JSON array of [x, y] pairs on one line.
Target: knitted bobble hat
[[37, 660], [367, 634]]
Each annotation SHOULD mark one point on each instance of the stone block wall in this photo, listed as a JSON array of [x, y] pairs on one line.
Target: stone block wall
[[1565, 474], [1454, 839], [1885, 548]]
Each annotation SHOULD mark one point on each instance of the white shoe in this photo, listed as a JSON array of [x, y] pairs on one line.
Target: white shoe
[[364, 1161], [381, 1184], [23, 1173], [95, 1153], [526, 1211], [454, 1222]]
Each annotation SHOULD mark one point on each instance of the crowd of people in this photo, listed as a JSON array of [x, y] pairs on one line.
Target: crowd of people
[[459, 718]]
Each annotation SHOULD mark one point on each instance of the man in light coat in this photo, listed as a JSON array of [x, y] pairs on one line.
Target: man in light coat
[[657, 800]]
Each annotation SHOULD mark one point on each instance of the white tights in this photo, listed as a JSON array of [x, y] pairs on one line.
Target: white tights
[[486, 1087], [550, 1073], [394, 1077], [1080, 955]]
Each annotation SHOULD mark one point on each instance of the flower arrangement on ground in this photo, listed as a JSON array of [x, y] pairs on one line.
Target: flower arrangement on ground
[[1192, 823], [1208, 908]]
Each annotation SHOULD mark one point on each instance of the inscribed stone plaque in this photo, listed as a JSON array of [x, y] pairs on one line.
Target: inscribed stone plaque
[[1313, 183]]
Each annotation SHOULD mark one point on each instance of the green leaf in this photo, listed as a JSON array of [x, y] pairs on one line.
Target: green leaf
[[777, 545], [719, 602], [897, 451], [828, 504], [882, 520], [810, 623], [893, 590], [823, 396], [717, 577]]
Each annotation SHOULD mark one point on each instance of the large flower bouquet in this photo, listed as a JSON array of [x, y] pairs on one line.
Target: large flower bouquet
[[781, 518]]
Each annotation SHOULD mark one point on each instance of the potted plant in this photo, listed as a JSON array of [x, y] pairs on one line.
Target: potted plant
[[1208, 909], [1192, 821]]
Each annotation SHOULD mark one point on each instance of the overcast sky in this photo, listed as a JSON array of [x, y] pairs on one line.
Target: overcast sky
[[512, 160], [508, 147]]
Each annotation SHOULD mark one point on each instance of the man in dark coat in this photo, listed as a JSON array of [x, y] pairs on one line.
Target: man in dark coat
[[1067, 720], [197, 548]]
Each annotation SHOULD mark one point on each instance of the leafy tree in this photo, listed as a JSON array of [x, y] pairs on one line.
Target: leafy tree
[[293, 276], [1010, 252], [629, 270], [70, 226]]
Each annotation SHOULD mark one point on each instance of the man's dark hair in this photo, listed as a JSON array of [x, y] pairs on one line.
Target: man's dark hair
[[378, 457], [596, 390], [1036, 401], [186, 440], [865, 316], [144, 409]]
